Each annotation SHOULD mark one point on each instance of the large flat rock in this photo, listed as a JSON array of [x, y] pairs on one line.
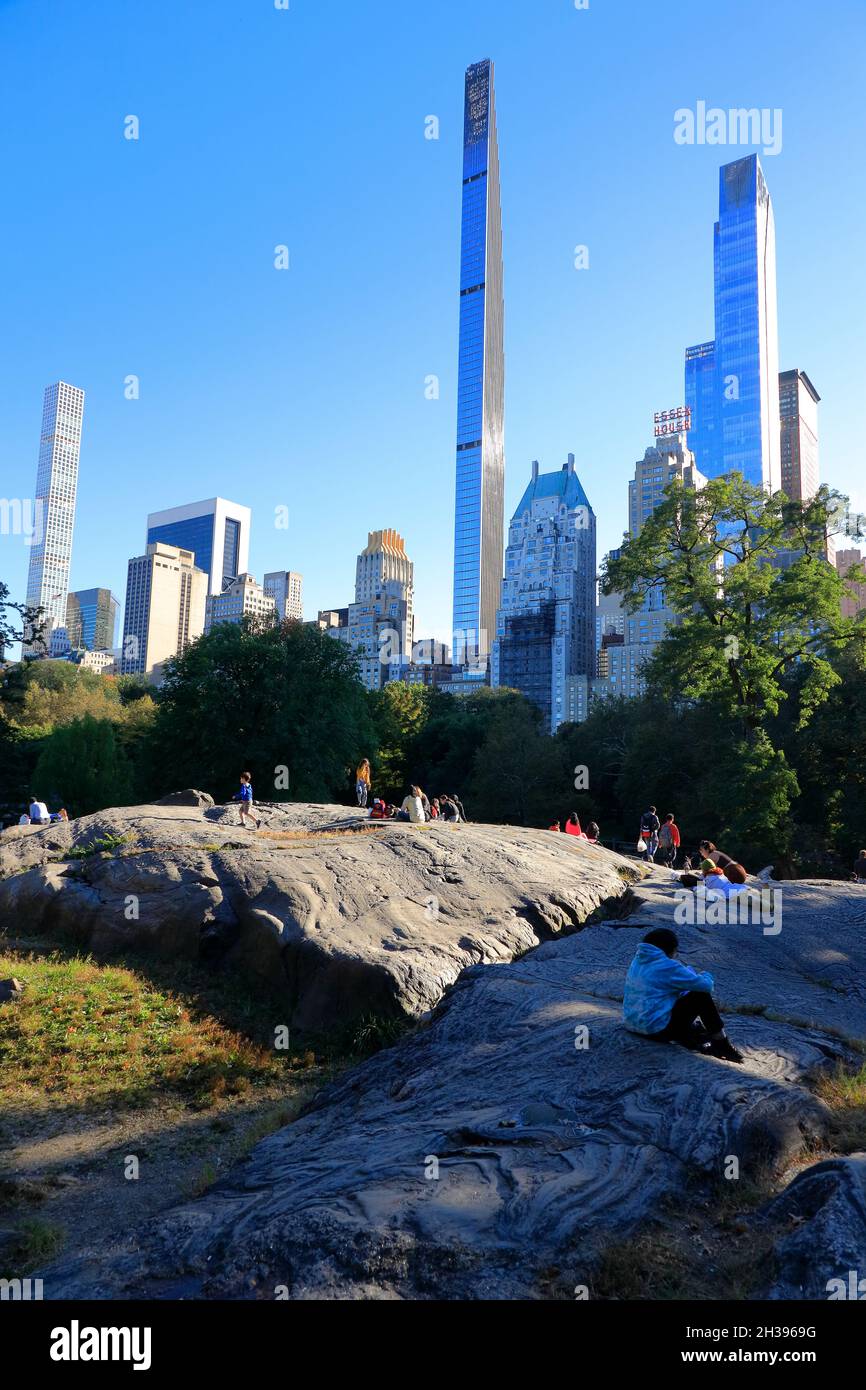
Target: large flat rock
[[502, 1147], [342, 916]]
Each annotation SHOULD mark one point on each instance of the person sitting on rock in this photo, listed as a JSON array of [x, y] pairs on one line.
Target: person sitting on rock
[[859, 871], [669, 1002], [447, 809], [733, 871], [592, 833], [245, 797], [572, 826], [412, 808], [556, 826], [458, 805], [39, 814]]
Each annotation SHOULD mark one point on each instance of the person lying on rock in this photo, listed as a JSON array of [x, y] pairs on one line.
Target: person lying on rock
[[669, 1002]]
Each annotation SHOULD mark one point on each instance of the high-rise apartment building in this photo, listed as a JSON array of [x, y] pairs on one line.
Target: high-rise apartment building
[[855, 600], [545, 628], [54, 519], [380, 624], [732, 383], [166, 596], [216, 531], [91, 619], [286, 588], [668, 460], [798, 409], [242, 598], [479, 518]]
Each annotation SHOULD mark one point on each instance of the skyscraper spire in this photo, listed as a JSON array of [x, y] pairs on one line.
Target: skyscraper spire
[[479, 520]]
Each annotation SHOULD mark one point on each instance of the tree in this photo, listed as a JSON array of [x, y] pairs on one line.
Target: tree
[[284, 703], [83, 767], [29, 623], [400, 711], [518, 772], [744, 620]]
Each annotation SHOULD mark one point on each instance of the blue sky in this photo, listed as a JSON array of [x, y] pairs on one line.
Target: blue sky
[[305, 127]]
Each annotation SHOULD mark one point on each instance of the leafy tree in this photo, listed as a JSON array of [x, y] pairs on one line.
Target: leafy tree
[[83, 767], [285, 697], [442, 755], [400, 711], [744, 620], [518, 772]]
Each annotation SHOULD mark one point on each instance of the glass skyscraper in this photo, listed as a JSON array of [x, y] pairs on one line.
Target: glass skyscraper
[[216, 531], [91, 619], [56, 490], [479, 520], [732, 383]]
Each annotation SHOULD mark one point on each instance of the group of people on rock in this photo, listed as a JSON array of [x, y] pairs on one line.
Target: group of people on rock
[[572, 827], [39, 814], [416, 806]]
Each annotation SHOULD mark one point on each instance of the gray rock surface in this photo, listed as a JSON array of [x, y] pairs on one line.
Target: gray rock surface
[[344, 916], [494, 1155], [190, 797], [824, 1253]]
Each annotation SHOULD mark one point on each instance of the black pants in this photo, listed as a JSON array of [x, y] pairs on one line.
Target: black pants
[[695, 1006]]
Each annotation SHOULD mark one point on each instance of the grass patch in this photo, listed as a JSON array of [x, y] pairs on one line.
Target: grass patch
[[844, 1093], [107, 844], [33, 1243], [96, 1033]]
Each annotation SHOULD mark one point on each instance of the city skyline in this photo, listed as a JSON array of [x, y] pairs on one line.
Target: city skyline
[[570, 356]]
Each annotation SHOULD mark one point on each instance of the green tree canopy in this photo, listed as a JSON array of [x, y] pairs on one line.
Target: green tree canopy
[[242, 699], [748, 576], [83, 767]]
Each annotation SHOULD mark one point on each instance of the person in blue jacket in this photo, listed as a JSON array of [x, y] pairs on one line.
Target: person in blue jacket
[[245, 797], [669, 1002]]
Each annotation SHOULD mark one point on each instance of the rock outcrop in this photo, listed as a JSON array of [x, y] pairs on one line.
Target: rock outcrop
[[342, 916], [504, 1146]]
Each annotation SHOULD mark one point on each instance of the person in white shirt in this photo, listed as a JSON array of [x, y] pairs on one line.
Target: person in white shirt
[[413, 807], [39, 813], [24, 820]]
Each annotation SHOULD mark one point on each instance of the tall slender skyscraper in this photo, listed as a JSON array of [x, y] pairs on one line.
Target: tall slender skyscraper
[[732, 383], [56, 489], [798, 406], [479, 520]]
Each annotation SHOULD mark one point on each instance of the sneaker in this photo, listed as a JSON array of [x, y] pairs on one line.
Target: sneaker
[[724, 1048]]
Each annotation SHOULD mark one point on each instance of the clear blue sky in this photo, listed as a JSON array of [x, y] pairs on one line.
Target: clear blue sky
[[305, 388]]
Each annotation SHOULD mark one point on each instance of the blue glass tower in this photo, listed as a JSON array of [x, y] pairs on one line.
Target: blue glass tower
[[479, 519], [732, 384]]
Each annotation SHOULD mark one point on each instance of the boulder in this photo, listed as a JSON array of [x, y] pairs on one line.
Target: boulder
[[504, 1146], [10, 989], [338, 915], [190, 797]]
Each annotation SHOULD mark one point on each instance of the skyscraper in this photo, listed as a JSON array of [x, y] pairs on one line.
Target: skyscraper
[[380, 624], [798, 408], [216, 531], [166, 597], [546, 622], [732, 383], [286, 588], [91, 619], [479, 516], [242, 598], [56, 489]]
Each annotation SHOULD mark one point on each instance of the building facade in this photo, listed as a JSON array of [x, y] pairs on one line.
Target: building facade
[[479, 514], [380, 624], [545, 630], [54, 520], [242, 598], [216, 531], [732, 383], [855, 601], [798, 410], [166, 595], [286, 588], [91, 619]]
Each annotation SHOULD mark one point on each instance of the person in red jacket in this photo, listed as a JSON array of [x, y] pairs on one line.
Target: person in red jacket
[[669, 840], [572, 826]]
